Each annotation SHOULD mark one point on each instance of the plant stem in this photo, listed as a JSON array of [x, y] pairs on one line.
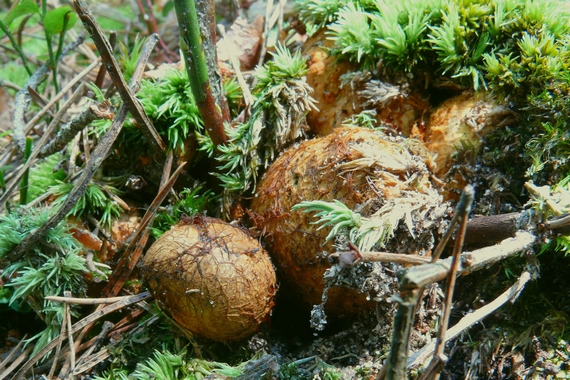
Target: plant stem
[[192, 36], [16, 46], [26, 177]]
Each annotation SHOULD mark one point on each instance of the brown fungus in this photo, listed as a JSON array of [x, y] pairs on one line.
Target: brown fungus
[[366, 171], [212, 278]]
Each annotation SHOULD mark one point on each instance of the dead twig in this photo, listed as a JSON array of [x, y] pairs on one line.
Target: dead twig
[[50, 128], [78, 326], [85, 301], [125, 91], [87, 362], [23, 97], [11, 355], [133, 252], [68, 131], [408, 304], [439, 359], [97, 157], [23, 356], [472, 318], [421, 275], [352, 257]]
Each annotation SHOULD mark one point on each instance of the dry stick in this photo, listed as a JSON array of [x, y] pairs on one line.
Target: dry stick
[[472, 318], [99, 154], [46, 136], [126, 93], [85, 301], [90, 362], [97, 157], [350, 258], [60, 95], [23, 98], [136, 77], [68, 131], [23, 356], [58, 348], [38, 99], [84, 359], [415, 278], [78, 326], [133, 252], [12, 353], [423, 275], [403, 320], [439, 359], [70, 334]]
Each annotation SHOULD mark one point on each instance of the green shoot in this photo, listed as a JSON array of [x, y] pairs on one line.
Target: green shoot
[[96, 201], [334, 214], [190, 202]]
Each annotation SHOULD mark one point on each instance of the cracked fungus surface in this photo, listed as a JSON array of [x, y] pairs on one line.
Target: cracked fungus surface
[[212, 278], [365, 170]]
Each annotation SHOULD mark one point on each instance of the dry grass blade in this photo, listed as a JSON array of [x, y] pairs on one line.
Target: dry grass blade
[[16, 363], [127, 94], [97, 157], [80, 325], [85, 301], [133, 252], [23, 98], [47, 134]]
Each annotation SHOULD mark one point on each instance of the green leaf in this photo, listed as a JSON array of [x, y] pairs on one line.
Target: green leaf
[[24, 7], [54, 20]]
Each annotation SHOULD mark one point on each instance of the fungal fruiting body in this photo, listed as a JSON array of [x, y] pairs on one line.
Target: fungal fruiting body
[[212, 278]]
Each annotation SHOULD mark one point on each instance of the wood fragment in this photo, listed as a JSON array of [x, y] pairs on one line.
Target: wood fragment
[[421, 275]]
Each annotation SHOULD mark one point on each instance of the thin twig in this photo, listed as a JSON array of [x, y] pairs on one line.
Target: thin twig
[[472, 318], [136, 246], [70, 334], [23, 356], [126, 93], [86, 362], [46, 136], [58, 348], [411, 296], [422, 275], [78, 326], [85, 301], [439, 359], [68, 131], [13, 352], [22, 99], [349, 258], [98, 155]]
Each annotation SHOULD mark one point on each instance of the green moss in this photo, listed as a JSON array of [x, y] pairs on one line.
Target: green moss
[[189, 203]]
